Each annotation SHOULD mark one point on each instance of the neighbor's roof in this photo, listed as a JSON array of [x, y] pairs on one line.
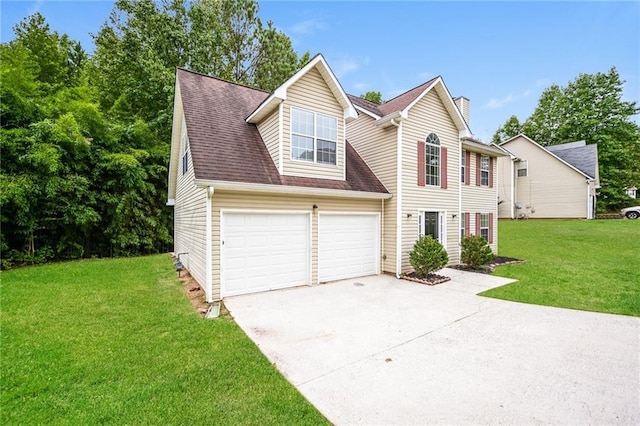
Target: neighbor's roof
[[580, 155], [398, 103], [224, 147]]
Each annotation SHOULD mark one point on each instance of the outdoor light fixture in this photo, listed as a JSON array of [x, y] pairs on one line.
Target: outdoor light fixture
[[409, 215], [315, 206]]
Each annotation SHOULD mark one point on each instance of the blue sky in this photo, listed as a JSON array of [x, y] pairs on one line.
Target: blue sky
[[500, 55]]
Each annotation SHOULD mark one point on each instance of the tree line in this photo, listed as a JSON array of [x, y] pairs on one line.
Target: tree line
[[85, 139]]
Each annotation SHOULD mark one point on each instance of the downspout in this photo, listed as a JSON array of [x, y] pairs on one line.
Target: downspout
[[512, 184], [589, 215], [460, 185], [208, 246], [399, 200], [382, 255]]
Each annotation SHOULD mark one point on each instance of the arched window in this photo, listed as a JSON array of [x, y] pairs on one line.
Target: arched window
[[432, 145]]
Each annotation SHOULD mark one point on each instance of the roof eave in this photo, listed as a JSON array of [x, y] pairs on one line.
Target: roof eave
[[220, 185]]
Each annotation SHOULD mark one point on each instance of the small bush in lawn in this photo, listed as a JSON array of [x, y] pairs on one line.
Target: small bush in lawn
[[427, 256], [475, 251]]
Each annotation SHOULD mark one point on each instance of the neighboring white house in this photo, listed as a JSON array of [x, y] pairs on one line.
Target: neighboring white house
[[558, 181], [307, 184]]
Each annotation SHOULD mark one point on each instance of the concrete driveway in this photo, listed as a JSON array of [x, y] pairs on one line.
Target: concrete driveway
[[378, 350]]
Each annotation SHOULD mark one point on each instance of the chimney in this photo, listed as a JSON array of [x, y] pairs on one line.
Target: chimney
[[463, 106]]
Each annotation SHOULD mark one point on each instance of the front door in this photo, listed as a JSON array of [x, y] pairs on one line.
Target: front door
[[432, 223]]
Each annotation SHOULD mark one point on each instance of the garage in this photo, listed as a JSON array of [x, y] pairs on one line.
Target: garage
[[264, 251], [348, 245]]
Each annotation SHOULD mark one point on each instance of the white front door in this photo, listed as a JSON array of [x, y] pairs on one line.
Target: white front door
[[264, 251], [348, 245]]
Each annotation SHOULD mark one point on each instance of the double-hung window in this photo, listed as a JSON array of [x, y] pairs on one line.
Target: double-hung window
[[314, 137], [484, 170], [484, 226], [432, 148], [523, 167], [463, 165], [185, 155]]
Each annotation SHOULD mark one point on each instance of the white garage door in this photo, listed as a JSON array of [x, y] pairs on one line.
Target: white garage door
[[347, 246], [264, 252]]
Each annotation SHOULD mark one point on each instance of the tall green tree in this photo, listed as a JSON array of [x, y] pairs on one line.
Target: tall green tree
[[591, 108], [509, 129], [371, 96]]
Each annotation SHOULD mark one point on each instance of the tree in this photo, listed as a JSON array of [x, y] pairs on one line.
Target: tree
[[509, 129], [375, 97], [591, 108]]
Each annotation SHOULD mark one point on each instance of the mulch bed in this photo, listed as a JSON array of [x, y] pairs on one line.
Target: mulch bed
[[488, 268], [196, 295], [430, 279]]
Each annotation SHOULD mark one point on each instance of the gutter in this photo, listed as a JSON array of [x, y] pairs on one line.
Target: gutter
[[289, 190]]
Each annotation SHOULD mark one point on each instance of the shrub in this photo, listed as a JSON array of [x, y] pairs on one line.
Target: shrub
[[475, 251], [427, 256]]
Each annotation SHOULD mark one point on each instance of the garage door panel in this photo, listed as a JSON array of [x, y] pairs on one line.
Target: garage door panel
[[348, 246], [264, 251]]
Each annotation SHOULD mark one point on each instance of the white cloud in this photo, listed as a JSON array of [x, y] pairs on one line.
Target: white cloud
[[495, 103], [425, 75], [310, 26], [344, 65]]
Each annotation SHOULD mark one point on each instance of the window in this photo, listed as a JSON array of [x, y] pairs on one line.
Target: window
[[523, 168], [631, 192], [484, 170], [185, 163], [432, 223], [314, 137], [433, 160], [463, 165], [484, 226]]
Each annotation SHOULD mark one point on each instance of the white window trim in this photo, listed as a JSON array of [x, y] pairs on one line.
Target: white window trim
[[427, 144], [463, 166], [442, 225], [525, 168], [483, 171], [488, 227], [315, 137]]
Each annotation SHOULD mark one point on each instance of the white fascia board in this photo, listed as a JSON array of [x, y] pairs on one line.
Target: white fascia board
[[176, 135], [389, 119], [268, 105], [350, 113], [288, 189], [171, 202], [367, 112], [490, 149]]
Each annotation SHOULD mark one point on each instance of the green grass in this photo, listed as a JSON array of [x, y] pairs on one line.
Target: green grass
[[591, 265], [117, 342]]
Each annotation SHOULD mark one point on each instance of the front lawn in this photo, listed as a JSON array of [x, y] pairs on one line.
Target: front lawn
[[592, 265], [117, 342]]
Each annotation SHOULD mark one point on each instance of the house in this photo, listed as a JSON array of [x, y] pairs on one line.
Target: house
[[558, 181], [306, 184]]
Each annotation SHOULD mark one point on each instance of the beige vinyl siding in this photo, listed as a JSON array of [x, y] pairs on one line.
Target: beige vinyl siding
[[311, 93], [504, 182], [268, 129], [552, 189], [190, 219], [481, 199], [378, 148], [429, 115], [255, 202]]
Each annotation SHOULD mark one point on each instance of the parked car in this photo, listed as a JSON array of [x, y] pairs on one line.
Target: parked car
[[631, 212]]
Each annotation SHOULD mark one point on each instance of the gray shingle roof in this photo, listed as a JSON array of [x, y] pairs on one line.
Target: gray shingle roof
[[581, 156], [225, 147]]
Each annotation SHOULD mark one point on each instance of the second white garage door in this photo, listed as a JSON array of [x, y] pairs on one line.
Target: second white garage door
[[264, 251], [348, 246]]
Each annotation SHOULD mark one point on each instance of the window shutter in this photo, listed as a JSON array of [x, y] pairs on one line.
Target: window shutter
[[490, 228], [443, 168], [467, 168], [422, 167], [478, 170], [478, 219], [490, 172], [467, 224]]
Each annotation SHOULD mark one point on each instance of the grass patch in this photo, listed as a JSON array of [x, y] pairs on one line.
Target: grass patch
[[117, 342], [590, 265]]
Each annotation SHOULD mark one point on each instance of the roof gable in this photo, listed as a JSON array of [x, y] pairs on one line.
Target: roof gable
[[224, 147], [586, 156], [280, 94], [400, 106]]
